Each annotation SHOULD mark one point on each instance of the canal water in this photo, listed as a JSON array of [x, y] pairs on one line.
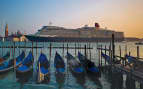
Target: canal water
[[69, 81]]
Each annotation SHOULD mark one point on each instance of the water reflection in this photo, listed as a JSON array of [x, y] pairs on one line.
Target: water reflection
[[115, 78], [117, 81], [95, 79], [23, 78], [80, 78], [5, 74], [60, 79]]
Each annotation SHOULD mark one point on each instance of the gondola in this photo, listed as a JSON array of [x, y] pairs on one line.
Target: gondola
[[59, 64], [26, 65], [88, 65], [76, 69], [43, 69], [5, 57], [130, 59], [74, 65], [60, 70], [108, 59], [8, 65]]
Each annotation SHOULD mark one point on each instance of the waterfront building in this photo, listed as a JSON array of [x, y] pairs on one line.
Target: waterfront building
[[16, 38]]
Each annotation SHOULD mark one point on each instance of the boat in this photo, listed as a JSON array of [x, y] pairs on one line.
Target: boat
[[75, 66], [89, 66], [59, 64], [76, 69], [106, 57], [43, 69], [60, 70], [5, 57], [8, 65], [26, 65], [130, 59], [61, 34], [36, 38]]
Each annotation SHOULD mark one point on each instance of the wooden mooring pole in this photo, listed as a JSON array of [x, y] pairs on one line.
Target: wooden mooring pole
[[63, 50], [138, 53], [113, 48], [19, 46], [85, 51], [50, 51], [78, 47], [14, 57], [14, 51], [2, 48], [125, 49], [110, 53], [32, 48], [36, 51], [10, 52], [75, 49], [90, 51], [25, 46], [67, 47], [101, 56], [120, 51], [105, 54]]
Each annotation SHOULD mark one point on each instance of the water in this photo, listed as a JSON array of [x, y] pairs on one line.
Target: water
[[69, 81]]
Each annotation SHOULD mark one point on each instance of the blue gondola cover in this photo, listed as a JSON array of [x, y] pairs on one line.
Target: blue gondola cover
[[89, 65], [130, 58], [59, 63], [106, 57], [58, 59], [8, 64], [94, 69], [79, 69], [60, 70], [44, 64], [44, 70], [28, 59]]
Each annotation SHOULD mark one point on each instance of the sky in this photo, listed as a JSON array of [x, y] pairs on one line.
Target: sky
[[30, 15]]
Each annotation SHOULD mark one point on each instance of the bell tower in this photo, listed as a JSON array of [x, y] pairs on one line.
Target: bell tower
[[6, 30]]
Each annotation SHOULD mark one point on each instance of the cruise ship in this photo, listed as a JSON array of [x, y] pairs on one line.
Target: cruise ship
[[83, 34]]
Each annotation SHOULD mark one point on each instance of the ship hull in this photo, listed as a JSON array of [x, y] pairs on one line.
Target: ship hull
[[69, 39]]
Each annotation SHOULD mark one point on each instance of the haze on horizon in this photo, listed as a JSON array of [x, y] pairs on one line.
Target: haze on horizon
[[30, 15]]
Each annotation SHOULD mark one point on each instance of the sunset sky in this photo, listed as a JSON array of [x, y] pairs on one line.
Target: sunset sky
[[30, 15]]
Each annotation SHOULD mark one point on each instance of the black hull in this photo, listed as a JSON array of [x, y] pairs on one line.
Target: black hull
[[80, 77], [22, 73], [96, 74], [77, 74], [70, 39], [10, 68], [24, 77], [5, 70]]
